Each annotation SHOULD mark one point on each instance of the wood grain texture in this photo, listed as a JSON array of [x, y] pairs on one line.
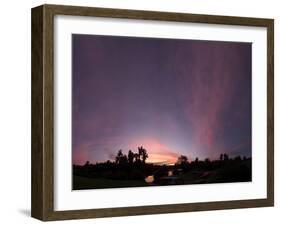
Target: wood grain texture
[[37, 159], [270, 111], [43, 107], [42, 113]]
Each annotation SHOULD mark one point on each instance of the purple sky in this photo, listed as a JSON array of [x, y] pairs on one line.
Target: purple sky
[[170, 96]]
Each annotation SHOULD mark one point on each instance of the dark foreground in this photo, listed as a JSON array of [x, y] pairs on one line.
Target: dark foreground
[[111, 175]]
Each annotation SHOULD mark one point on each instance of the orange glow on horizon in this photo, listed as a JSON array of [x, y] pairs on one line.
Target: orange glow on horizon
[[162, 159], [158, 153]]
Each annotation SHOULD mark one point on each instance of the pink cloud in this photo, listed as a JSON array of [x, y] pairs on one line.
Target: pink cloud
[[212, 87]]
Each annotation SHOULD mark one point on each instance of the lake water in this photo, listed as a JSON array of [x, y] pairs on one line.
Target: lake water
[[150, 179]]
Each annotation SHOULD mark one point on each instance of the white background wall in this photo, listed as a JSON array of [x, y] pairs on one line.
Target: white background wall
[[15, 112]]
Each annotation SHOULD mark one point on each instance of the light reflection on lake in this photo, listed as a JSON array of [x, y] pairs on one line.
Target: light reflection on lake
[[150, 179]]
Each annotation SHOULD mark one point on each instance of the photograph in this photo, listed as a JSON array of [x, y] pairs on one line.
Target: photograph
[[137, 112], [159, 111]]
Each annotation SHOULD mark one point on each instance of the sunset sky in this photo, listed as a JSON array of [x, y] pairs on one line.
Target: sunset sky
[[170, 96]]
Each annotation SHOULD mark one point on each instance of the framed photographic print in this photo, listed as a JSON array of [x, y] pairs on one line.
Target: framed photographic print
[[141, 112]]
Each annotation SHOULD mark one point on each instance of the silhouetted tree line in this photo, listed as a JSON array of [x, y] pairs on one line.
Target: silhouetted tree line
[[133, 166], [207, 164], [126, 166], [228, 169], [132, 158]]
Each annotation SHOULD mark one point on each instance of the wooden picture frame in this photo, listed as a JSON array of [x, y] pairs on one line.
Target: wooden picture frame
[[42, 204]]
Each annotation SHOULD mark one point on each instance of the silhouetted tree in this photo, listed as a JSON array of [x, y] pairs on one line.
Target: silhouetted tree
[[130, 157], [124, 160], [207, 164], [207, 160], [142, 154], [137, 157], [182, 160], [238, 158], [119, 156], [195, 163], [225, 157], [221, 157]]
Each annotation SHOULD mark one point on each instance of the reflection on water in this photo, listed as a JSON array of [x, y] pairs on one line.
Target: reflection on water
[[150, 179]]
